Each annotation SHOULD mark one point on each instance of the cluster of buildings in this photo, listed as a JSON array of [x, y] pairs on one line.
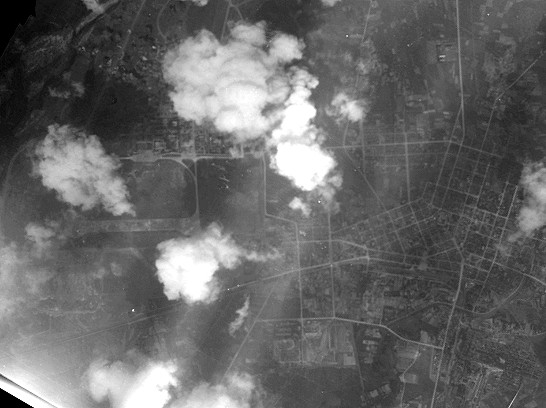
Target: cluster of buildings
[[316, 343], [328, 343], [489, 372], [415, 238]]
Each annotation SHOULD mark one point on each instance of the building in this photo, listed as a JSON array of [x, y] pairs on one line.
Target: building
[[441, 52]]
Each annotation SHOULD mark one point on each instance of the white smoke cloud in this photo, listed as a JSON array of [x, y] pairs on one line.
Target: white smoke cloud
[[242, 314], [230, 84], [126, 386], [156, 385], [345, 107], [78, 89], [76, 166], [186, 266], [298, 112], [329, 3], [307, 166], [234, 392], [9, 292], [533, 213], [21, 280], [67, 90], [298, 155], [245, 89], [56, 93], [93, 6], [298, 204], [199, 3], [42, 237]]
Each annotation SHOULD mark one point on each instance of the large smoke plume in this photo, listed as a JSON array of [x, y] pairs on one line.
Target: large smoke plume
[[242, 314], [21, 279], [186, 266], [533, 213], [77, 168], [125, 384], [249, 88]]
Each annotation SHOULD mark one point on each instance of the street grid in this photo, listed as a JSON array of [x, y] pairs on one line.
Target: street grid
[[389, 236]]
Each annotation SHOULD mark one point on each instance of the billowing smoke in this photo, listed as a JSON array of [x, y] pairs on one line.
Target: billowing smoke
[[156, 385], [308, 167], [298, 155], [21, 280], [127, 386], [245, 88], [345, 107], [186, 266], [67, 90], [76, 166], [329, 3], [199, 3], [93, 6], [298, 204], [231, 84], [9, 288], [242, 314], [533, 213], [41, 237]]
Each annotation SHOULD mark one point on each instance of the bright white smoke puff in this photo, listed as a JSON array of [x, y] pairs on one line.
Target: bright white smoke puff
[[78, 89], [533, 213], [242, 314], [126, 387], [41, 237], [153, 385], [298, 112], [308, 167], [186, 266], [246, 91], [76, 166], [345, 107], [329, 3], [93, 6], [298, 204], [235, 392], [199, 3], [230, 84], [299, 156]]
